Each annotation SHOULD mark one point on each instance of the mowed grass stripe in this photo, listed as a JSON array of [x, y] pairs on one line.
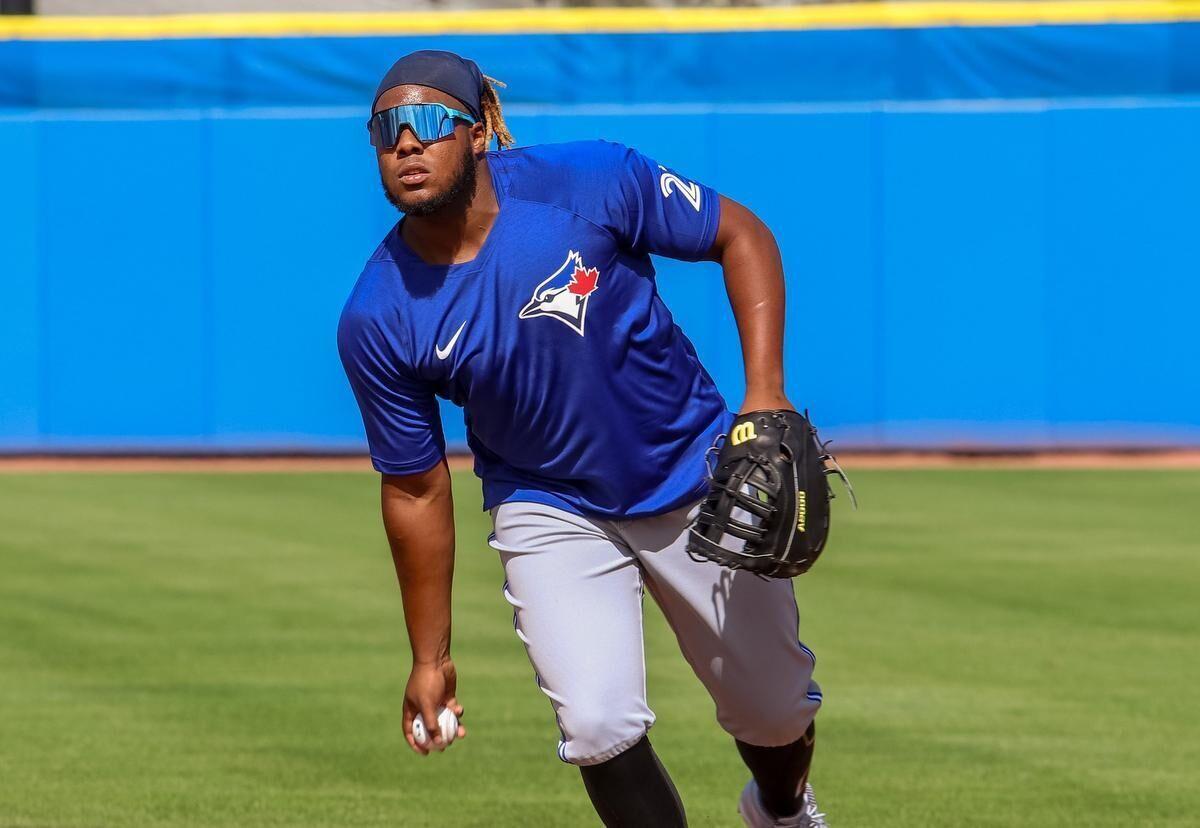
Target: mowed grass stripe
[[995, 647]]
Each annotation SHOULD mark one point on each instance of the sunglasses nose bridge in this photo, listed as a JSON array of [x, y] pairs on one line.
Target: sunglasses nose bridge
[[407, 141]]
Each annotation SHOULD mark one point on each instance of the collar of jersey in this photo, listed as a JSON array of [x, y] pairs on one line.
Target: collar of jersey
[[409, 258]]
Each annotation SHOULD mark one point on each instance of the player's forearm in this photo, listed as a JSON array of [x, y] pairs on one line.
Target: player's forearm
[[750, 258], [418, 516]]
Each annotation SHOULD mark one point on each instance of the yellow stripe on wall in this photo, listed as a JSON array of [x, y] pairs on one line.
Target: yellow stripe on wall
[[561, 20]]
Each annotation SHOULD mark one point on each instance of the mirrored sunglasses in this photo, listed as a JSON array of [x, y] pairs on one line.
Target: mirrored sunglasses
[[428, 121]]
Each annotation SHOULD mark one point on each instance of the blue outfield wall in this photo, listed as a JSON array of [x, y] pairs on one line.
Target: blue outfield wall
[[992, 235]]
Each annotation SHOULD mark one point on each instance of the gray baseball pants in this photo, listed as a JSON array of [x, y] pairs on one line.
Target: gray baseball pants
[[576, 585]]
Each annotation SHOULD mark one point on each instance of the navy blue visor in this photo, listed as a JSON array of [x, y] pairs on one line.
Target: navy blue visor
[[428, 121]]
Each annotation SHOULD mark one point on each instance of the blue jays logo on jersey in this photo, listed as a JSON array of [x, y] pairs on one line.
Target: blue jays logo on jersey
[[564, 294]]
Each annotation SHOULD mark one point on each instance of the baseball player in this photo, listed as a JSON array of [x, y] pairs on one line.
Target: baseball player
[[519, 285]]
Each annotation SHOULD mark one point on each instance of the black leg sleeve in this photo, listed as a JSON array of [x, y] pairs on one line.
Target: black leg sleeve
[[633, 790], [781, 771]]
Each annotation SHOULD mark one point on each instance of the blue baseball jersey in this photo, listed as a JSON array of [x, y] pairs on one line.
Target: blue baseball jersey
[[578, 388]]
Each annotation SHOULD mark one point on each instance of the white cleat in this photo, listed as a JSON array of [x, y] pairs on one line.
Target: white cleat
[[814, 815], [756, 815]]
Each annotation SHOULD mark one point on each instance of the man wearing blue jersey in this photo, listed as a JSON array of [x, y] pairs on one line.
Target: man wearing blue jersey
[[519, 285]]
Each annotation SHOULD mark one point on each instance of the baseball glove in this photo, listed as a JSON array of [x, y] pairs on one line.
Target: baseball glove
[[767, 510]]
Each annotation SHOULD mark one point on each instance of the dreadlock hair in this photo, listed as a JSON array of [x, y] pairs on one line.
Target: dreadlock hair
[[493, 118]]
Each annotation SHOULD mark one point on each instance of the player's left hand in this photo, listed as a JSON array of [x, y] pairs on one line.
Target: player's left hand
[[767, 510]]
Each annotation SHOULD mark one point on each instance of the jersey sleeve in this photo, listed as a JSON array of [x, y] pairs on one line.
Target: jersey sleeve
[[400, 414], [658, 210]]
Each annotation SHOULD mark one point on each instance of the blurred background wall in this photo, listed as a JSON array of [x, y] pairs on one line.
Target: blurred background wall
[[91, 7], [990, 223]]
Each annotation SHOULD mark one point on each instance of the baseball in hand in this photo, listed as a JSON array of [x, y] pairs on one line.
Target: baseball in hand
[[447, 724]]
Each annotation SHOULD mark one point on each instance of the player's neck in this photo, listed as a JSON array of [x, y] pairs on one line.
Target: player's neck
[[455, 234]]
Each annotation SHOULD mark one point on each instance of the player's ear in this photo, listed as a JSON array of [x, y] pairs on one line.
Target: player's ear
[[479, 141]]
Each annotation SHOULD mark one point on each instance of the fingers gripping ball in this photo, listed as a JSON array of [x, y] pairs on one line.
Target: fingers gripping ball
[[767, 509], [447, 725]]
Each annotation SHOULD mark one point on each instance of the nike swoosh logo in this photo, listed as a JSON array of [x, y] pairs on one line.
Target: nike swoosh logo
[[442, 353]]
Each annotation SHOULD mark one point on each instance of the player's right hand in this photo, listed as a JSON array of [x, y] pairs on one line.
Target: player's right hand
[[430, 688]]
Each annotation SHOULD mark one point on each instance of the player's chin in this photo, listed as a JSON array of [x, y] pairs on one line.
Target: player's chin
[[413, 195], [418, 204]]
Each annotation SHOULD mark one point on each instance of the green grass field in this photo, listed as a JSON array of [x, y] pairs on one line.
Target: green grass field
[[996, 648]]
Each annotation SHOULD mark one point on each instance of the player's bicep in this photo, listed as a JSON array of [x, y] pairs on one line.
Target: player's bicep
[[418, 507], [666, 212], [737, 224]]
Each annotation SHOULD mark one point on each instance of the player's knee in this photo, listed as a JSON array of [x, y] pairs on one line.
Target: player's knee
[[770, 716], [595, 735]]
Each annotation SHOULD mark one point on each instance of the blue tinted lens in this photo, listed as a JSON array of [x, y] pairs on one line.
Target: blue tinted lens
[[428, 122]]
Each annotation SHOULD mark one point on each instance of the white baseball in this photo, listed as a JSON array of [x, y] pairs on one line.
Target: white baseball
[[447, 724]]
